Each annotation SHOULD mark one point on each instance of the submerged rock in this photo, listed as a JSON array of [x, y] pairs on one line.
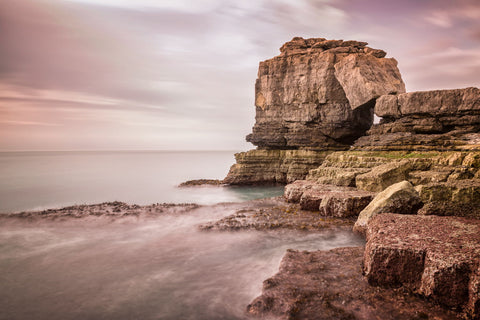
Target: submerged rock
[[110, 210], [436, 257], [201, 182], [279, 217]]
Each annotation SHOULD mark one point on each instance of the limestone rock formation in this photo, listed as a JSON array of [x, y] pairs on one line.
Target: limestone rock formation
[[330, 200], [451, 198], [317, 95], [398, 198], [320, 93], [440, 120], [437, 257], [273, 166]]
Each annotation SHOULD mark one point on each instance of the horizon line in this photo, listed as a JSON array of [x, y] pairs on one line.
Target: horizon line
[[127, 150]]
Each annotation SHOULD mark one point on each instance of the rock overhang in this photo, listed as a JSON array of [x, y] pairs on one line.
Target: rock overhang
[[320, 93]]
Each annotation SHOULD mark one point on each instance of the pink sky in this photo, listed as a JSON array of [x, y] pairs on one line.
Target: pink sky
[[180, 74]]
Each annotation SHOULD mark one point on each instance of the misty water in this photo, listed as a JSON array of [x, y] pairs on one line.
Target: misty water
[[156, 268]]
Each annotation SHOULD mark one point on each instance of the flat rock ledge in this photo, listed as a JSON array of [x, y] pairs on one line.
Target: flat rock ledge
[[280, 216], [433, 256], [329, 200], [201, 182], [330, 285], [114, 210]]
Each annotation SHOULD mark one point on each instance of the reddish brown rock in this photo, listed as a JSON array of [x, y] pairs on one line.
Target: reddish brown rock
[[437, 257], [330, 285], [330, 200], [345, 203]]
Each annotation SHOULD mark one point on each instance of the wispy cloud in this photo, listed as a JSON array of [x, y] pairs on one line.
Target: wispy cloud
[[180, 73]]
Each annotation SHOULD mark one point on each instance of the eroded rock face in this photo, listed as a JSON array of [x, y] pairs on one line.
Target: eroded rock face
[[320, 93], [439, 119], [437, 257], [451, 198], [273, 166]]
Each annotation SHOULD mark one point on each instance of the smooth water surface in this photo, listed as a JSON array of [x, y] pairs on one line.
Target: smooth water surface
[[155, 269], [40, 180]]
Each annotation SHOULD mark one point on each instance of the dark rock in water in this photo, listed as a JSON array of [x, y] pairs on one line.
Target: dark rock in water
[[320, 93], [330, 285], [112, 210], [280, 216], [440, 119], [436, 257], [201, 182]]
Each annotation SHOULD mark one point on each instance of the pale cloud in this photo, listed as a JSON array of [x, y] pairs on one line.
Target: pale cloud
[[180, 74], [440, 19], [195, 6]]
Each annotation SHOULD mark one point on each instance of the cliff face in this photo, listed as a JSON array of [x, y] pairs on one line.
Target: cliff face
[[273, 166], [317, 95], [320, 93]]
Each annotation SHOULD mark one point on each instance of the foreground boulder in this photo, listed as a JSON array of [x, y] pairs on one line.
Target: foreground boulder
[[436, 257], [384, 175], [398, 198], [330, 285], [329, 200]]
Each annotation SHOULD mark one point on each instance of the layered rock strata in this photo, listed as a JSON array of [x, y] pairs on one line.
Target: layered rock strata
[[329, 200], [273, 166], [448, 183], [320, 93], [437, 257], [439, 120], [317, 94]]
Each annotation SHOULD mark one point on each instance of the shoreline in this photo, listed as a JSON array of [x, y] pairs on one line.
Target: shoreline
[[278, 299]]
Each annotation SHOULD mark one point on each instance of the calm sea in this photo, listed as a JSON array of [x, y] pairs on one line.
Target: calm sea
[[40, 180], [161, 268]]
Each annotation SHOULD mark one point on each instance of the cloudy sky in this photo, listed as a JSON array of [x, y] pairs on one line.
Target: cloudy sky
[[179, 74]]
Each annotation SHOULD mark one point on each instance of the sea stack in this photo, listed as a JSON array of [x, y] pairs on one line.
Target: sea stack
[[316, 97]]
